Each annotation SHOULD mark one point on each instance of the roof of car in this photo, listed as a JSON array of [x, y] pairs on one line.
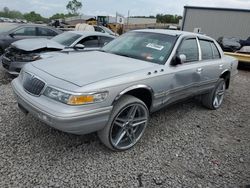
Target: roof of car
[[30, 24], [88, 33], [172, 32]]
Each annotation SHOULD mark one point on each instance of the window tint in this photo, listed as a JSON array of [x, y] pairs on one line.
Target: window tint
[[104, 40], [46, 32], [91, 41], [98, 29], [216, 51], [190, 49], [206, 50], [26, 31], [66, 38]]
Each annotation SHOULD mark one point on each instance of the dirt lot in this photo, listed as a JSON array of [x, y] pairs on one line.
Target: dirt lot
[[185, 145]]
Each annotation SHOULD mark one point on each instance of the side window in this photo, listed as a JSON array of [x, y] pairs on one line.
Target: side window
[[206, 50], [98, 29], [104, 40], [216, 51], [46, 32], [26, 31], [189, 48], [91, 41]]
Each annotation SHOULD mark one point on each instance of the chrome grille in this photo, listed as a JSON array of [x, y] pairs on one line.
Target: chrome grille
[[32, 84]]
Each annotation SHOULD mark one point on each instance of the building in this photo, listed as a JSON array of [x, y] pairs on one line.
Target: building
[[217, 22]]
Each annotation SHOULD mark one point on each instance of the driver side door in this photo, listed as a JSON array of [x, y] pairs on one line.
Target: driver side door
[[184, 79]]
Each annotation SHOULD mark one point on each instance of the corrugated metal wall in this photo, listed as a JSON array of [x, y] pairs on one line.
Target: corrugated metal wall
[[217, 23]]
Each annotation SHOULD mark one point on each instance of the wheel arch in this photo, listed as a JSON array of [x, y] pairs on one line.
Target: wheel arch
[[142, 92], [226, 76]]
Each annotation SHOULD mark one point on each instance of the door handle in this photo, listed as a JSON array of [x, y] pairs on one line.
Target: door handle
[[199, 70]]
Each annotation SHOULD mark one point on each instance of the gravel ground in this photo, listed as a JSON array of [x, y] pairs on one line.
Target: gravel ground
[[185, 145]]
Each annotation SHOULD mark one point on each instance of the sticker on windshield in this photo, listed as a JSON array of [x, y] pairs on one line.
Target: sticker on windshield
[[155, 46]]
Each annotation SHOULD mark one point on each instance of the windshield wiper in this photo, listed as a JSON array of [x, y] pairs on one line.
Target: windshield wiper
[[120, 54]]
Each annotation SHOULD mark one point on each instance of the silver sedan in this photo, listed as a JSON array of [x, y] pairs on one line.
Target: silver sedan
[[113, 91]]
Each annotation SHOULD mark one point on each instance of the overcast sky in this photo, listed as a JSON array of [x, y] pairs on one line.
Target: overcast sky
[[109, 7]]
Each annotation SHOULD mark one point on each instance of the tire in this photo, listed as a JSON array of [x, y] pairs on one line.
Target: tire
[[1, 51], [126, 125], [209, 100]]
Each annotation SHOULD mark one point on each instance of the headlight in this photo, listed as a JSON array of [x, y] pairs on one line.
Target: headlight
[[75, 99]]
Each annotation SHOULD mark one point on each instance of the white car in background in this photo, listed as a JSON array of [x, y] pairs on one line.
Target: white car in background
[[28, 50]]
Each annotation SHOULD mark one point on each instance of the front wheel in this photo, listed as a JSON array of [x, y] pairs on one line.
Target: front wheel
[[214, 98], [126, 125]]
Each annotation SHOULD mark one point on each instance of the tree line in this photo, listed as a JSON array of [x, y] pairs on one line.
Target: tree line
[[73, 8]]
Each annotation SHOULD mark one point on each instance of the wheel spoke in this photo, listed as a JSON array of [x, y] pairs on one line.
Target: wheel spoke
[[220, 92], [119, 137], [131, 135], [120, 122], [138, 121], [132, 112], [216, 101]]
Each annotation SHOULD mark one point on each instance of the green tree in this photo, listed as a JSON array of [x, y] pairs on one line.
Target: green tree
[[7, 13], [73, 7], [34, 17]]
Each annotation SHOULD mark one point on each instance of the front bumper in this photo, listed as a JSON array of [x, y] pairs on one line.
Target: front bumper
[[12, 67], [67, 119]]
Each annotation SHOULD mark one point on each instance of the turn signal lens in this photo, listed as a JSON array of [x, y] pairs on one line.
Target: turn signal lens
[[87, 99], [78, 100]]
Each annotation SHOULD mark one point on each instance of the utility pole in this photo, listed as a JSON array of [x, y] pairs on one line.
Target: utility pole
[[128, 19]]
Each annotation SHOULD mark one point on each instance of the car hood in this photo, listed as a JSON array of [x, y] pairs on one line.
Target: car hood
[[89, 67], [36, 44]]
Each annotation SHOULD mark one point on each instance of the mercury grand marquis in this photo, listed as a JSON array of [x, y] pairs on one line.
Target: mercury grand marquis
[[112, 91]]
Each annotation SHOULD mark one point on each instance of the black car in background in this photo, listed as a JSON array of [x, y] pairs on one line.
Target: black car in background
[[11, 32]]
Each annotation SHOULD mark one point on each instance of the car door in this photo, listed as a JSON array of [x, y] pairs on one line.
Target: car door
[[184, 79], [212, 64]]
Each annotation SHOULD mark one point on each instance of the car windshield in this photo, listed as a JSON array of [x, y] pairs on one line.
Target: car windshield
[[152, 47], [66, 39], [6, 27]]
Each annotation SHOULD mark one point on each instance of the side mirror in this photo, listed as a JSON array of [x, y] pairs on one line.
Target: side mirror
[[12, 35], [179, 59], [79, 47]]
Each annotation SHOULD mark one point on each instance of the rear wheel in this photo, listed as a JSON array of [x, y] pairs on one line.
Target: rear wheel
[[127, 123], [214, 98]]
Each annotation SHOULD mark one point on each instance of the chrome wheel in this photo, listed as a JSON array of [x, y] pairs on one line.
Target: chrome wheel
[[128, 126], [219, 95]]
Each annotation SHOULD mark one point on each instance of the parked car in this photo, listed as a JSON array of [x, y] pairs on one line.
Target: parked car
[[28, 50], [11, 32], [229, 44], [113, 91]]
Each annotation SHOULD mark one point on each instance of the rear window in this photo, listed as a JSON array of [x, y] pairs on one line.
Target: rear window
[[66, 39], [215, 51], [206, 50], [46, 32]]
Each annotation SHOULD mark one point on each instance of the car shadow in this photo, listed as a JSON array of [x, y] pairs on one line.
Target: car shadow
[[53, 140], [5, 77]]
